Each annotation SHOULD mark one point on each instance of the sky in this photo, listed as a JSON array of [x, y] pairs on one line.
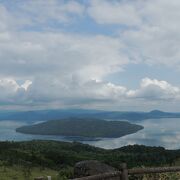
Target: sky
[[94, 54]]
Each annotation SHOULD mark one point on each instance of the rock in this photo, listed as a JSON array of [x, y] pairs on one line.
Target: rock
[[91, 167], [40, 178]]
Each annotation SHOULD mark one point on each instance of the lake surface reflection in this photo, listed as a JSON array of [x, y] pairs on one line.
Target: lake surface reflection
[[157, 132]]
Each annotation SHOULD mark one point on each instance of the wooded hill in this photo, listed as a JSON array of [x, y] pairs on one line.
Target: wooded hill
[[83, 127], [58, 155]]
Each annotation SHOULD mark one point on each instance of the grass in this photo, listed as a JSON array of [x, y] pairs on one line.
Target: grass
[[22, 173], [162, 176]]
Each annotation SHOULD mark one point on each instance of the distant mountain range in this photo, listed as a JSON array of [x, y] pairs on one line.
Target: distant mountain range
[[82, 127], [44, 115]]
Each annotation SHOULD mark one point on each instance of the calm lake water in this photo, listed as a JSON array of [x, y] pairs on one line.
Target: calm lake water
[[157, 132]]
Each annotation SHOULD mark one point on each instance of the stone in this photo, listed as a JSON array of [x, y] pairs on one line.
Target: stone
[[91, 167]]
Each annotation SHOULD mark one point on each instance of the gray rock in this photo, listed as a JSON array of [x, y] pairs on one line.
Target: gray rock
[[91, 167]]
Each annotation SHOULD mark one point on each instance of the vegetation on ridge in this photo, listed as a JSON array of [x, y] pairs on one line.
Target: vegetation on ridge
[[55, 155], [60, 157]]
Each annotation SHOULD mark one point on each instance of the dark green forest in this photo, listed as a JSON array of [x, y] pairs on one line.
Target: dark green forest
[[84, 127], [57, 155]]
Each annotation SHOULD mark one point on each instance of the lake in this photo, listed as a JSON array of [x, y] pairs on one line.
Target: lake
[[157, 132]]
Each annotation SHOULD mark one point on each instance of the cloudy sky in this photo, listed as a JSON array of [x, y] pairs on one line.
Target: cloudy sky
[[99, 54]]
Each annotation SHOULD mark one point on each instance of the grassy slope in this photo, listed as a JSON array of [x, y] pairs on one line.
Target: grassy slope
[[19, 173], [55, 156]]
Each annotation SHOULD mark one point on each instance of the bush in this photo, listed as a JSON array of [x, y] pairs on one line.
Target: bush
[[66, 173]]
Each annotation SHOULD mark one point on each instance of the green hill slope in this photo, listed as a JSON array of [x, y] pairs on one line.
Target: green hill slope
[[55, 155]]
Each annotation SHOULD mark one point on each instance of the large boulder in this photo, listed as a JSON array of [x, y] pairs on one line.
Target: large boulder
[[91, 167]]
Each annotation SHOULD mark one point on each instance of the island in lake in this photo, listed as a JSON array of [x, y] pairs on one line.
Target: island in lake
[[82, 127]]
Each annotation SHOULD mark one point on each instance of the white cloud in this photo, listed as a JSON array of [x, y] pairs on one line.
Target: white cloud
[[4, 17], [99, 90], [114, 12], [155, 35], [26, 85], [68, 68], [61, 54], [93, 93], [42, 11], [74, 92], [153, 89], [12, 92], [58, 67]]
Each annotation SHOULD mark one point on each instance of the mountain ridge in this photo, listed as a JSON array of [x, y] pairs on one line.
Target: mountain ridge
[[44, 115]]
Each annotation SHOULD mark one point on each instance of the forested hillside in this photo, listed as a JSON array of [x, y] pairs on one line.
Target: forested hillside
[[56, 155], [59, 158]]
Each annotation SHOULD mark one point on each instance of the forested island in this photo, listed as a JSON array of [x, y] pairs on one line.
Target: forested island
[[82, 127]]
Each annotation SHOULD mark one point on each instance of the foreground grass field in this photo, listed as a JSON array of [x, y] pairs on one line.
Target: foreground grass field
[[161, 176], [19, 173], [23, 173], [26, 160]]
